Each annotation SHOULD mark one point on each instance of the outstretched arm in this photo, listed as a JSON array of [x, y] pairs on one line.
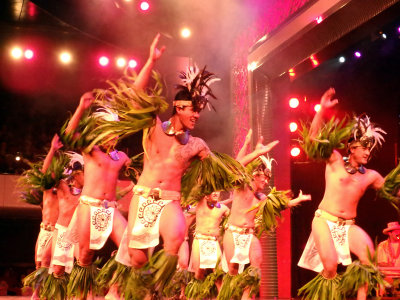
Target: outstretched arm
[[260, 149], [144, 74], [300, 198], [242, 151], [84, 103], [55, 145], [326, 102]]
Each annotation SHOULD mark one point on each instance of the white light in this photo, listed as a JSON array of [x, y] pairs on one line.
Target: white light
[[144, 6], [18, 158], [384, 36], [294, 102], [319, 19], [295, 151], [293, 126], [16, 52], [65, 57], [103, 61], [121, 62], [252, 66], [317, 107], [28, 54], [132, 63], [342, 59], [186, 33]]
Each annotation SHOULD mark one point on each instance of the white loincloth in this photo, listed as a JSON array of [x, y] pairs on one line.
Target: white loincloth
[[209, 252], [310, 258], [242, 248], [101, 222], [122, 254], [145, 232], [44, 239], [63, 251]]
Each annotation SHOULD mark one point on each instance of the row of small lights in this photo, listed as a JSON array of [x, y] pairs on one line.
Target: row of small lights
[[293, 126], [66, 58]]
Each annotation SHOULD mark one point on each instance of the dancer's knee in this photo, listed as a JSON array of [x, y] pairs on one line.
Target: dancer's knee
[[85, 256]]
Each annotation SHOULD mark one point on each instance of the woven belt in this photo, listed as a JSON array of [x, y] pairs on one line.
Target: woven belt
[[156, 193], [327, 216], [240, 230], [47, 227], [97, 202], [201, 236]]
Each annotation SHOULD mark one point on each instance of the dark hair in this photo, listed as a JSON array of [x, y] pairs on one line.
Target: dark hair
[[181, 95]]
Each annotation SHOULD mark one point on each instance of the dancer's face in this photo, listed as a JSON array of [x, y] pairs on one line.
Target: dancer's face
[[360, 154], [260, 181], [187, 117], [78, 178], [214, 197]]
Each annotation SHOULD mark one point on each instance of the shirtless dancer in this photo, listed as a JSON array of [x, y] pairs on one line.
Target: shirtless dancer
[[96, 217], [240, 244], [50, 211], [346, 182], [62, 261]]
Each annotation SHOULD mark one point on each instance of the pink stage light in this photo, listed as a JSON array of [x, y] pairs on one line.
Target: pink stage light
[[293, 126], [144, 6], [16, 53], [104, 61], [295, 151], [317, 107], [132, 64], [28, 54], [357, 54], [294, 102]]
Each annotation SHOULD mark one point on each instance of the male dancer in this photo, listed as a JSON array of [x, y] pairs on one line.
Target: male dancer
[[50, 211], [334, 233], [240, 244]]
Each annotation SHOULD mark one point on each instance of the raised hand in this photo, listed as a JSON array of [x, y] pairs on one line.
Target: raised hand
[[56, 143], [326, 99], [156, 53], [300, 198], [264, 149], [86, 100]]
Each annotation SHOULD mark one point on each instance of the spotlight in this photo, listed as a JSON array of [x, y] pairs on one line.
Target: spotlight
[[121, 62], [295, 151], [17, 158], [384, 36], [103, 61], [252, 66], [16, 53], [65, 57], [342, 59], [293, 126], [317, 107], [132, 63], [292, 73], [398, 29], [28, 54], [186, 33], [357, 54], [144, 6], [293, 102]]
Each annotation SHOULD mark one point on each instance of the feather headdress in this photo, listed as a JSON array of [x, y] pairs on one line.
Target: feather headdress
[[195, 88], [75, 162], [265, 167], [366, 133]]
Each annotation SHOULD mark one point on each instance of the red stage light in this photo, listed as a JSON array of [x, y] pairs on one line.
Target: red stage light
[[103, 61], [132, 63], [144, 5], [317, 107], [294, 102], [293, 126], [295, 151], [28, 54]]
